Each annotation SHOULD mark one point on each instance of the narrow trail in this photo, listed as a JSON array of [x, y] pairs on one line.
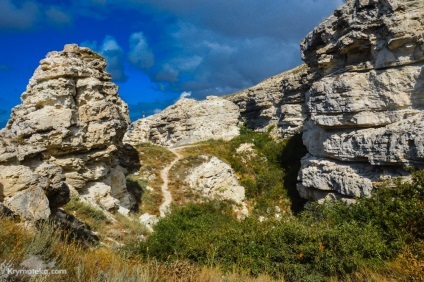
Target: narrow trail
[[164, 174]]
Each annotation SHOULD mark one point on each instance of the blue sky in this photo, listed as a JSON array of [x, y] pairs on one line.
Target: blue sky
[[158, 49]]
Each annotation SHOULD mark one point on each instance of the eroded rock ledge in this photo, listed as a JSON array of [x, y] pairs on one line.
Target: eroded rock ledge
[[276, 102], [64, 137], [365, 109], [186, 122]]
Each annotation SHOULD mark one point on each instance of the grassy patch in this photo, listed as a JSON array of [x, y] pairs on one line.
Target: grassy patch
[[119, 229], [153, 159], [93, 216], [181, 193]]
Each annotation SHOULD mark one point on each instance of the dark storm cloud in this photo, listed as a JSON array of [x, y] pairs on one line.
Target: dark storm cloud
[[18, 14], [208, 62], [206, 47], [285, 19], [223, 46], [22, 15]]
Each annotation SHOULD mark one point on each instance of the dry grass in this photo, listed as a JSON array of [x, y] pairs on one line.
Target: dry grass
[[181, 193], [405, 267], [218, 148], [154, 159], [112, 229], [93, 264]]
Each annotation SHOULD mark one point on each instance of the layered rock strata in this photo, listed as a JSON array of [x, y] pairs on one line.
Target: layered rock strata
[[186, 122], [276, 102], [65, 135], [365, 109]]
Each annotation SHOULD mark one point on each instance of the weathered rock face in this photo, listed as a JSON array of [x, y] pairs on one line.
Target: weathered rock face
[[64, 136], [277, 101], [186, 122], [366, 106], [367, 34], [215, 179]]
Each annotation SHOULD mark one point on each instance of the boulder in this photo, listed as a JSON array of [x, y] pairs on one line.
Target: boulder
[[215, 179]]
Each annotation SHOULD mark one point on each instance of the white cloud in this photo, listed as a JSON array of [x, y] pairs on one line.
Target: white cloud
[[110, 44], [185, 94], [140, 54], [187, 63], [114, 55], [156, 111]]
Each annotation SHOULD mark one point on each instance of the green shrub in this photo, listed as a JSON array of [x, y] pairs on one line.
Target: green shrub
[[333, 239]]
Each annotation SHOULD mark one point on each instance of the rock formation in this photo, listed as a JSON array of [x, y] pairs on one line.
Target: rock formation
[[358, 100], [277, 101], [64, 136], [186, 122], [365, 107], [215, 179]]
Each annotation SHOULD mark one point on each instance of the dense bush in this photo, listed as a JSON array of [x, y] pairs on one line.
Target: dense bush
[[268, 178], [334, 239]]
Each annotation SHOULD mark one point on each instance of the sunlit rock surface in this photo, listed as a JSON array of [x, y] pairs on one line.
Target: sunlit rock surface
[[64, 135]]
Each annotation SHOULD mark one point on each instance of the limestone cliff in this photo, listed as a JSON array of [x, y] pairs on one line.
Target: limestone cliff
[[277, 101], [186, 122], [65, 135], [365, 107]]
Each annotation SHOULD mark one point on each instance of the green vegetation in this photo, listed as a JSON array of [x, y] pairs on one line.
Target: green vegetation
[[54, 246], [377, 239], [154, 159], [377, 235], [268, 173]]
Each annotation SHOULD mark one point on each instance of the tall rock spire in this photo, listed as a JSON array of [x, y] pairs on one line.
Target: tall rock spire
[[65, 135]]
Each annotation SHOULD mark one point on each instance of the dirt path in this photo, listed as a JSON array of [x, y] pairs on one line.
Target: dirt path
[[164, 174]]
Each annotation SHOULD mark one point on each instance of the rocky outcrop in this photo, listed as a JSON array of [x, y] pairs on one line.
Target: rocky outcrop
[[277, 102], [65, 135], [365, 107], [186, 122], [215, 179]]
